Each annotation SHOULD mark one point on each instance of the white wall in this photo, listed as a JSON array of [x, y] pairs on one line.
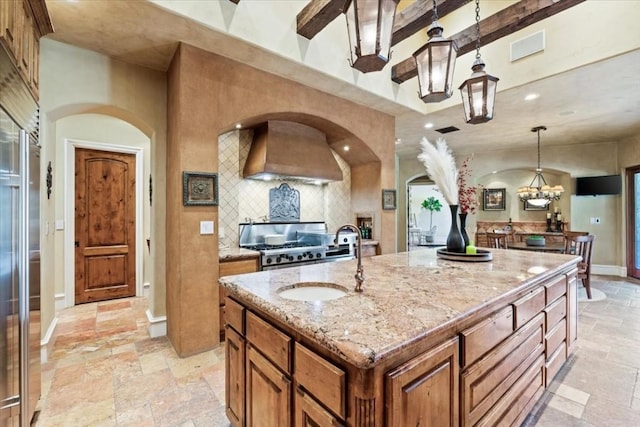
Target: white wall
[[442, 219]]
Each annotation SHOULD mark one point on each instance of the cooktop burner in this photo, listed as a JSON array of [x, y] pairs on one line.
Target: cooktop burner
[[289, 245]]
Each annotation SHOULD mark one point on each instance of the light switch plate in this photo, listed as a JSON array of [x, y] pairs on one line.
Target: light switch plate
[[59, 224], [206, 227]]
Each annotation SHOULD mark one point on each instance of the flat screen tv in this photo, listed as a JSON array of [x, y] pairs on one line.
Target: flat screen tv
[[597, 185]]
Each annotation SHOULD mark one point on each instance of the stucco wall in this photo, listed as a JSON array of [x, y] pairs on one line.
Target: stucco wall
[[208, 95]]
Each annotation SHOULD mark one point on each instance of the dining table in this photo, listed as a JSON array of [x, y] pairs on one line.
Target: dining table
[[548, 247]]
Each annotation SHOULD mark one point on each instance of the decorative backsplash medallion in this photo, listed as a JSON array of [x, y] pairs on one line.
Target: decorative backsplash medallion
[[284, 204]]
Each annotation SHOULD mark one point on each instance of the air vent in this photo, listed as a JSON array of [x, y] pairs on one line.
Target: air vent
[[527, 46], [447, 129]]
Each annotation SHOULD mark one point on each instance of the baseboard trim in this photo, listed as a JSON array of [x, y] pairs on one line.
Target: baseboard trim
[[157, 325], [46, 344], [609, 270]]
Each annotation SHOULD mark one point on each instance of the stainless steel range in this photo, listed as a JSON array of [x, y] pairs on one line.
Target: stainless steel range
[[288, 244]]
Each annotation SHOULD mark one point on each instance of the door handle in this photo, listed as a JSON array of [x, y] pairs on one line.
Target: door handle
[[77, 244]]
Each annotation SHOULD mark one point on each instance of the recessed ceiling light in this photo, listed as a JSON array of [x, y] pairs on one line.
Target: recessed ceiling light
[[494, 172], [346, 148], [428, 125], [531, 97], [238, 126]]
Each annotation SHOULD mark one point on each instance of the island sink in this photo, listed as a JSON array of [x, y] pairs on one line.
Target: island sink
[[312, 291], [431, 342]]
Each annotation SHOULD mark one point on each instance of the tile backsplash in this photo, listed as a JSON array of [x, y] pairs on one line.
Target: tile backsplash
[[247, 198]]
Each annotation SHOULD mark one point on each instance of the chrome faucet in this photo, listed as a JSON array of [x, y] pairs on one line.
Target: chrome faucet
[[359, 276]]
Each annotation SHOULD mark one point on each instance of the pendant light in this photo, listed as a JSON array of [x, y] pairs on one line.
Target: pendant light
[[435, 62], [479, 90], [536, 193], [370, 27]]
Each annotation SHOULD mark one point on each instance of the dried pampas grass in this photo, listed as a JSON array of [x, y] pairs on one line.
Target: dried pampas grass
[[441, 168]]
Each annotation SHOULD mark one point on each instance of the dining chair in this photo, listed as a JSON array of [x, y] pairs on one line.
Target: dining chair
[[583, 246], [497, 240], [569, 245]]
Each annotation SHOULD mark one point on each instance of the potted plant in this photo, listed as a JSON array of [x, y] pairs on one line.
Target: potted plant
[[432, 205]]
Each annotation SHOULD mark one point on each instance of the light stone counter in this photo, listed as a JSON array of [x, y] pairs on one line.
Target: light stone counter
[[236, 254], [407, 296]]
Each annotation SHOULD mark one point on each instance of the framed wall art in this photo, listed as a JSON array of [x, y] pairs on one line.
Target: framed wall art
[[199, 189], [388, 199], [493, 199]]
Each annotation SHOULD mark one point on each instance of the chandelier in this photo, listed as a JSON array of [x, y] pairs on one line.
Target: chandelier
[[479, 90], [541, 194], [435, 62]]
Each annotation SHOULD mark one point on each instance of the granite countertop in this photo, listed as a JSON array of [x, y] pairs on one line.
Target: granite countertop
[[406, 295], [236, 254]]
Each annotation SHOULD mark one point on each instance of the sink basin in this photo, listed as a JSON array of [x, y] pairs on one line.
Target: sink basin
[[312, 291]]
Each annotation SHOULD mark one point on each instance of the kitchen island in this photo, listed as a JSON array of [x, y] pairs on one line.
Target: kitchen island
[[429, 342]]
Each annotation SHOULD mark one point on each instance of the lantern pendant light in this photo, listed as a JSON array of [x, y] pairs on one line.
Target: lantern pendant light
[[479, 90], [370, 26], [435, 62]]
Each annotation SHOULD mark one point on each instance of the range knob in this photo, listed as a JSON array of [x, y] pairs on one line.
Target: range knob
[[290, 258], [318, 255], [299, 257], [269, 260], [345, 240], [278, 259]]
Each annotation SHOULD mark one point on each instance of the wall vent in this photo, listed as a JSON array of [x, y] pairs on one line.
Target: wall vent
[[447, 129], [527, 46]]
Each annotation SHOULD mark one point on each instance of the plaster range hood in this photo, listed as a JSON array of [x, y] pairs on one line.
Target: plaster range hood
[[290, 151]]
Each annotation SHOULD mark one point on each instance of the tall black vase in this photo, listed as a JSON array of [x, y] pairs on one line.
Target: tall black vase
[[455, 242], [463, 230]]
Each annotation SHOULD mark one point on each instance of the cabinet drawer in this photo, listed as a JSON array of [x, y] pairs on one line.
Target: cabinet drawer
[[479, 339], [554, 363], [555, 337], [527, 307], [234, 315], [222, 293], [309, 413], [486, 381], [275, 345], [230, 268], [322, 379], [519, 399], [555, 290], [556, 312]]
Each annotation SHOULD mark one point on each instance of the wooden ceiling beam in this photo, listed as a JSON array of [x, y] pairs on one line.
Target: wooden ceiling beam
[[317, 14], [420, 15], [507, 21]]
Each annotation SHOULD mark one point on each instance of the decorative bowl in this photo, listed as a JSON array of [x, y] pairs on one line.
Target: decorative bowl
[[535, 241]]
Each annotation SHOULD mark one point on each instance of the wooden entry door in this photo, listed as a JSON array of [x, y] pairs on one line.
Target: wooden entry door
[[105, 224]]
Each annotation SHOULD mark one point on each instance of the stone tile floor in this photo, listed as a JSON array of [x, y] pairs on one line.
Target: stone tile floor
[[104, 370]]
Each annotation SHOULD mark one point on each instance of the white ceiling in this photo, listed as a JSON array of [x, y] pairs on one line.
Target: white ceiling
[[599, 102]]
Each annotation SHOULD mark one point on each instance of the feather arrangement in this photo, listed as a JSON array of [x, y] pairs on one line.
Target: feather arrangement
[[441, 168]]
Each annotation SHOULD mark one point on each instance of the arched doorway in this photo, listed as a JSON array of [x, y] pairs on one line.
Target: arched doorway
[[428, 218]]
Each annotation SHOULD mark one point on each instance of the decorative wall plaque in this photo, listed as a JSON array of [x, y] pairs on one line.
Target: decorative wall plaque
[[284, 204], [199, 189]]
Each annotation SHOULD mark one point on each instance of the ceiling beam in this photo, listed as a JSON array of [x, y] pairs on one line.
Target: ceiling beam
[[420, 15], [505, 22], [317, 14]]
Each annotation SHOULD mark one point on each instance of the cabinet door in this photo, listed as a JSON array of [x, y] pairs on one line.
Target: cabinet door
[[26, 44], [268, 393], [308, 413], [425, 390], [234, 377], [10, 14]]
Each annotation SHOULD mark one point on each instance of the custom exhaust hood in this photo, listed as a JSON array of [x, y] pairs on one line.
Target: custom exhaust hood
[[291, 151]]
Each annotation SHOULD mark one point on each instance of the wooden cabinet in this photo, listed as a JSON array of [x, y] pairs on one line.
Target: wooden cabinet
[[309, 413], [369, 249], [229, 268], [424, 390], [22, 23], [268, 392], [234, 377]]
